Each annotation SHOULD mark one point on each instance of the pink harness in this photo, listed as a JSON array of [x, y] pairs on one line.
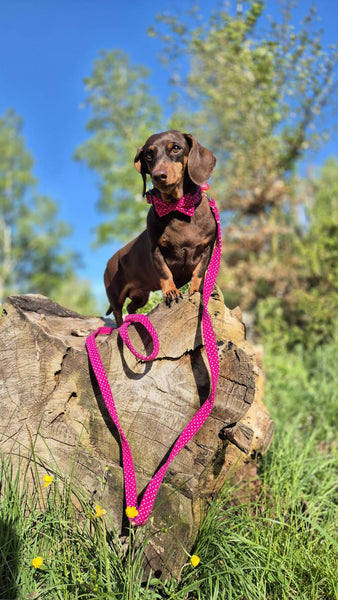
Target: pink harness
[[138, 515]]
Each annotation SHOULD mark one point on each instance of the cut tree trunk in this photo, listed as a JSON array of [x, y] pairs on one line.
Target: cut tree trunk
[[48, 393]]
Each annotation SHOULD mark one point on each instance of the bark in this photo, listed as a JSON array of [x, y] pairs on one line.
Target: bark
[[49, 394]]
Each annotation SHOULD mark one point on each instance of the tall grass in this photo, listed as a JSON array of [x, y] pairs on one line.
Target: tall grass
[[281, 545]]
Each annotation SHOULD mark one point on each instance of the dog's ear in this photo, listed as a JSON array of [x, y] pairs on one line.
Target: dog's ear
[[201, 162], [141, 166], [139, 160]]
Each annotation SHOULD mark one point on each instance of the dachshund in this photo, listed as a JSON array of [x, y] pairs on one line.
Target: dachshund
[[177, 245]]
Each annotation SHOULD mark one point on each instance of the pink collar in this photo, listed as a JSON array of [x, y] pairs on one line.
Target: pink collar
[[185, 205]]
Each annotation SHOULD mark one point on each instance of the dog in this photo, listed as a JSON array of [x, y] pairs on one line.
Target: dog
[[177, 245]]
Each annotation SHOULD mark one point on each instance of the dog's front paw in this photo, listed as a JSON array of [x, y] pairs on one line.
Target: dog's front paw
[[172, 295]]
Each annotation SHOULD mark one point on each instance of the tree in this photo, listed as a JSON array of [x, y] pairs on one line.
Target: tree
[[32, 254], [123, 114], [257, 95]]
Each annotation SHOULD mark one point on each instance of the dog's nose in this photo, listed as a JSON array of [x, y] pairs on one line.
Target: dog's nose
[[160, 175]]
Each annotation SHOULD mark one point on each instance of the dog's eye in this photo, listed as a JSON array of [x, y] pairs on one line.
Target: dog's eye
[[149, 155], [175, 149]]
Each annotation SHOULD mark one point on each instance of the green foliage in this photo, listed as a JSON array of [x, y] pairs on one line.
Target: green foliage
[[272, 548], [76, 294], [58, 525], [282, 545], [306, 314], [257, 92], [123, 114], [32, 254], [302, 388], [260, 96]]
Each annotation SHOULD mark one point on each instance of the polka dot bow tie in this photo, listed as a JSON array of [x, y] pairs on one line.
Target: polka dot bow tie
[[185, 205]]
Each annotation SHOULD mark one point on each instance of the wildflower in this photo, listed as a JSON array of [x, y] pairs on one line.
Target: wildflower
[[99, 512], [131, 512], [195, 560], [37, 562], [48, 479]]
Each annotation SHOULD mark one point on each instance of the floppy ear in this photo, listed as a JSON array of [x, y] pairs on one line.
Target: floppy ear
[[201, 162], [141, 166]]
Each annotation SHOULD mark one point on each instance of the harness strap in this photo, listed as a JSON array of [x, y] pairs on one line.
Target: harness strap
[[144, 509]]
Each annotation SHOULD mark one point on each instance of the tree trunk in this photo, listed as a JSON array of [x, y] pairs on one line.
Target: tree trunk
[[48, 393]]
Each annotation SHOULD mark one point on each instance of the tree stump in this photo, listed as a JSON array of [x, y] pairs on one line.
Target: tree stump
[[48, 393]]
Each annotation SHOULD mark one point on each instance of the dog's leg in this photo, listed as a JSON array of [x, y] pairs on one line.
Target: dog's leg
[[137, 301], [199, 272], [169, 290], [117, 312], [118, 316], [116, 302]]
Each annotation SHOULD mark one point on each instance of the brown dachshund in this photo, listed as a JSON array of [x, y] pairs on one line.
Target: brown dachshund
[[175, 248]]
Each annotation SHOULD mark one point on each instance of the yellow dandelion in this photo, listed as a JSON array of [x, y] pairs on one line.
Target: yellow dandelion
[[37, 562], [195, 560], [99, 512], [48, 479], [131, 512]]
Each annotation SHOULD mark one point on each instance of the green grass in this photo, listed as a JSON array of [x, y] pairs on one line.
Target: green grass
[[281, 545]]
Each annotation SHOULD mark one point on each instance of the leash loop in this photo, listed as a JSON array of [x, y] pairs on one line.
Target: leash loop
[[123, 331], [141, 513]]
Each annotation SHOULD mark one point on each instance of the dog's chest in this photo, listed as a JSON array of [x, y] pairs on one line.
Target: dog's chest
[[178, 233], [184, 241]]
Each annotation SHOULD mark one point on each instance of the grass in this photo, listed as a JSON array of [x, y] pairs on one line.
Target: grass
[[281, 545]]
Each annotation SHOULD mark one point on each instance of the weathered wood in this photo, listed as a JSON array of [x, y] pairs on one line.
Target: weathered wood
[[48, 393]]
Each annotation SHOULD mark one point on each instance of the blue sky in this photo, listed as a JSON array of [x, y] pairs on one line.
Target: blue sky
[[47, 47]]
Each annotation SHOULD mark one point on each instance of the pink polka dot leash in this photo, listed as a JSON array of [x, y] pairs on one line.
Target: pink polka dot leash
[[139, 514]]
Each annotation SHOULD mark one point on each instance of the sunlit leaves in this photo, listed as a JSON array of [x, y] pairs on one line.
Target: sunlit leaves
[[123, 115]]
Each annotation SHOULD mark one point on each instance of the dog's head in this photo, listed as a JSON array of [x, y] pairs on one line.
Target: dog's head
[[174, 161]]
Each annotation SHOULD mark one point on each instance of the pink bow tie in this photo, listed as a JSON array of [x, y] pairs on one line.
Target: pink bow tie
[[185, 205]]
